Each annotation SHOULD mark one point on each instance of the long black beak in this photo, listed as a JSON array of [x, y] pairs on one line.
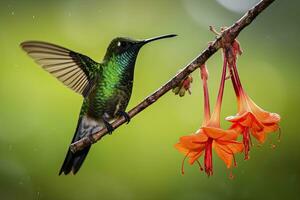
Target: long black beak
[[157, 38]]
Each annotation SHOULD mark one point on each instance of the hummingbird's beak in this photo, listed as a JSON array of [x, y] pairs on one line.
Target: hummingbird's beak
[[157, 38]]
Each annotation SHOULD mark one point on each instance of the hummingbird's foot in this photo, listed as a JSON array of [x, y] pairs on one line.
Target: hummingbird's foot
[[108, 126], [125, 115]]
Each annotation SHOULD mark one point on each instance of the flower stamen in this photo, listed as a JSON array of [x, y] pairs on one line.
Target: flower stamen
[[279, 134], [234, 160], [231, 176], [183, 161], [200, 166]]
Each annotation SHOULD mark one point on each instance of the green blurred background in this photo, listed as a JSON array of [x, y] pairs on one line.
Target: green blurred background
[[39, 115]]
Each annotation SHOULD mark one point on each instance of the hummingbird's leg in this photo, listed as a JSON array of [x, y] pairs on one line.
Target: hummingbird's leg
[[108, 126], [125, 115]]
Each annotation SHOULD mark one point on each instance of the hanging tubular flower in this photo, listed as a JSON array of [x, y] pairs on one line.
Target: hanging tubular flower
[[210, 135], [250, 117], [183, 86], [204, 140]]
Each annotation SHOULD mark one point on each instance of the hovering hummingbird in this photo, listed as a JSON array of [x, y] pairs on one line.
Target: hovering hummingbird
[[106, 86]]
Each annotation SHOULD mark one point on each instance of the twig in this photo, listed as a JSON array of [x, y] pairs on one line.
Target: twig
[[227, 37]]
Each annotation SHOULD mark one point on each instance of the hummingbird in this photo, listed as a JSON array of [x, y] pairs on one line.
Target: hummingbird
[[106, 86]]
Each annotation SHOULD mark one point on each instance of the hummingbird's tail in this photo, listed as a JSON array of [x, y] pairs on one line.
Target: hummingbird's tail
[[73, 161]]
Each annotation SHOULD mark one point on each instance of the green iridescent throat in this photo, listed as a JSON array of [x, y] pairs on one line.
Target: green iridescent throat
[[115, 82]]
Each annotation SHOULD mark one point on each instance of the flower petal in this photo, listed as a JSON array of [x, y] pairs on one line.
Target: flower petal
[[226, 152], [181, 148], [193, 156], [271, 127], [259, 135], [223, 154], [218, 133], [262, 115], [193, 142]]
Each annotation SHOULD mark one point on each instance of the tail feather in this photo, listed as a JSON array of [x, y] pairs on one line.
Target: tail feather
[[73, 161]]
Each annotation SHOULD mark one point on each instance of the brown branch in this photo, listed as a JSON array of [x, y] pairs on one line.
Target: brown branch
[[227, 37]]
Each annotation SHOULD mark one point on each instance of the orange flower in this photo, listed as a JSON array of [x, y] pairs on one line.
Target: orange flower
[[257, 120], [210, 135], [223, 141], [250, 117]]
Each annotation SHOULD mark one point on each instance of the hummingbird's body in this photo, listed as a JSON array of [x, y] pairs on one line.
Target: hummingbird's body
[[112, 91], [106, 86]]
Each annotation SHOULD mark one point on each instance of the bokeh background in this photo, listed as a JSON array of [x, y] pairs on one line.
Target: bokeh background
[[39, 114]]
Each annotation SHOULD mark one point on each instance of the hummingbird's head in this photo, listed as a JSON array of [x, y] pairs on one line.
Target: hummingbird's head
[[127, 48]]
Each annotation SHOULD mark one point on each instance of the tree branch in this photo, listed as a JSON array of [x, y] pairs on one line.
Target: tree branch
[[227, 37]]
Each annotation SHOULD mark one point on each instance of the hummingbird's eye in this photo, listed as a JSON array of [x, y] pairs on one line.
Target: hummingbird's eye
[[122, 44]]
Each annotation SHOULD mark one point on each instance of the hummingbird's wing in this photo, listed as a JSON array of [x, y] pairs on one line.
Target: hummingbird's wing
[[75, 70]]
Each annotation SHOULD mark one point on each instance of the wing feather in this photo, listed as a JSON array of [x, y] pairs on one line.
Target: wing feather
[[71, 68]]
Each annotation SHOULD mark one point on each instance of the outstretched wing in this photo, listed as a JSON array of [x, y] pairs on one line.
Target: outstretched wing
[[75, 70]]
